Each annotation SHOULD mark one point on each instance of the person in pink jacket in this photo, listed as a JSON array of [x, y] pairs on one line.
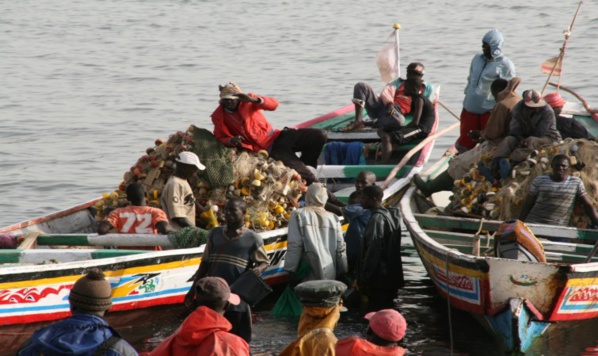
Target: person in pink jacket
[[386, 328]]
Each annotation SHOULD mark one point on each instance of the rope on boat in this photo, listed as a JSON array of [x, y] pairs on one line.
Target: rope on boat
[[448, 298], [476, 239]]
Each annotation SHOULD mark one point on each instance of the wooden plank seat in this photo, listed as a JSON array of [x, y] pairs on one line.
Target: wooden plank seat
[[555, 251], [468, 224]]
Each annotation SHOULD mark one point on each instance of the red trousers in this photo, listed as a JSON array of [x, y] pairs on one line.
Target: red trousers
[[469, 122]]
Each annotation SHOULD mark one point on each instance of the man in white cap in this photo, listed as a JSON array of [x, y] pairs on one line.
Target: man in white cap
[[206, 331], [85, 332], [533, 125], [177, 196]]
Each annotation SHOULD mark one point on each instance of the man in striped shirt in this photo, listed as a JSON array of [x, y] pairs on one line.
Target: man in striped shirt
[[231, 250], [552, 197]]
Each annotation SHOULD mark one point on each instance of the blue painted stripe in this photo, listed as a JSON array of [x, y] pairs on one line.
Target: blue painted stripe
[[66, 306], [269, 272]]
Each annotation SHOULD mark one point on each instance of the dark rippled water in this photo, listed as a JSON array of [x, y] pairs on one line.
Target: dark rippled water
[[88, 85]]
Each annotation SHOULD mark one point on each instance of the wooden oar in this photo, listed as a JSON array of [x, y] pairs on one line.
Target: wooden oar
[[449, 110], [104, 240], [415, 149], [583, 101]]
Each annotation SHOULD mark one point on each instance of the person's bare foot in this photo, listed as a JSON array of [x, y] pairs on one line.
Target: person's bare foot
[[353, 126]]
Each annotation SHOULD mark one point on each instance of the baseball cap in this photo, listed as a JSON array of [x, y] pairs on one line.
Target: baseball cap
[[388, 324], [190, 158], [215, 289], [554, 100], [533, 99]]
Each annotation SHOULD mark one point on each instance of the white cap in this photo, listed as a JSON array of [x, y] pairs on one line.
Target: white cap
[[190, 158], [533, 99]]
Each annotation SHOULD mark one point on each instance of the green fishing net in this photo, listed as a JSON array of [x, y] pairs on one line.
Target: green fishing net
[[215, 156], [188, 237]]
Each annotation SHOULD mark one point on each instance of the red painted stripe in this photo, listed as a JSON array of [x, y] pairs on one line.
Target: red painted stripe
[[33, 318], [146, 303], [324, 117]]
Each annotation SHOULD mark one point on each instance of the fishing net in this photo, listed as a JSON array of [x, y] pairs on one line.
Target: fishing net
[[215, 156], [188, 237], [270, 189], [475, 196]]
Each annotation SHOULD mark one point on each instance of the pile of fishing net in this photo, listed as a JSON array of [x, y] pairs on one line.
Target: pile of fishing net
[[271, 189], [475, 196]]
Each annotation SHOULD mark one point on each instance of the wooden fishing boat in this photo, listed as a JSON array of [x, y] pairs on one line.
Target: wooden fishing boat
[[35, 283], [514, 300]]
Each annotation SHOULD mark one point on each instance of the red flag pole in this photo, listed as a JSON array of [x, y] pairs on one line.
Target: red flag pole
[[561, 56]]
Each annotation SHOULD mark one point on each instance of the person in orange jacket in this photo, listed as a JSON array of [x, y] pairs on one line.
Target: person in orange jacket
[[239, 122], [206, 331], [386, 328]]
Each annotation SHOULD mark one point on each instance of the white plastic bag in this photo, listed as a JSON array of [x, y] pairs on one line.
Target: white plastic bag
[[388, 59]]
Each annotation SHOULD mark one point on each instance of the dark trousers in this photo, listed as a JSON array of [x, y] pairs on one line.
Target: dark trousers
[[241, 321], [307, 141], [379, 299]]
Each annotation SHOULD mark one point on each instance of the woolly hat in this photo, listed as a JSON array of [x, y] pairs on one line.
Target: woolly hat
[[91, 292], [554, 100], [229, 91], [533, 99], [388, 324]]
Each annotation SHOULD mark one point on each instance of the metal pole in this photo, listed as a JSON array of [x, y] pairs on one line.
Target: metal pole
[[397, 27]]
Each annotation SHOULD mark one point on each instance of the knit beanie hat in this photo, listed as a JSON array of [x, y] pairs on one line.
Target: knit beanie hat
[[91, 292], [554, 100]]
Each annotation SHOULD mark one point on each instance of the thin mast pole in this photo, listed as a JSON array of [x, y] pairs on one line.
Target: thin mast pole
[[562, 54], [397, 27]]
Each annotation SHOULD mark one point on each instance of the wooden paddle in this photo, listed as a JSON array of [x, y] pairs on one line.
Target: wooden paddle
[[415, 149], [449, 110], [583, 101]]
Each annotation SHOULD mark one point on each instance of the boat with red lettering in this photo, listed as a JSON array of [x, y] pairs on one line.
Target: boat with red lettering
[[516, 298]]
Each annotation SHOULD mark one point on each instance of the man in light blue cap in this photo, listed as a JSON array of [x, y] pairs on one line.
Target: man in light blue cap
[[485, 67]]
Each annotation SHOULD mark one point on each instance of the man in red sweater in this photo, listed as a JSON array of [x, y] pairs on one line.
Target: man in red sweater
[[239, 122]]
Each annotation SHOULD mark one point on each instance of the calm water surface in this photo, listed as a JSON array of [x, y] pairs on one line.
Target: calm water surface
[[88, 85]]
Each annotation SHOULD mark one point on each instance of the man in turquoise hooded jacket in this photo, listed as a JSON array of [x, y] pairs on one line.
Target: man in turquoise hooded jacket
[[485, 67]]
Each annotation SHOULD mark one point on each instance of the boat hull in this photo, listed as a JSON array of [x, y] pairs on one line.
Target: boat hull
[[37, 293], [32, 292], [516, 301]]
